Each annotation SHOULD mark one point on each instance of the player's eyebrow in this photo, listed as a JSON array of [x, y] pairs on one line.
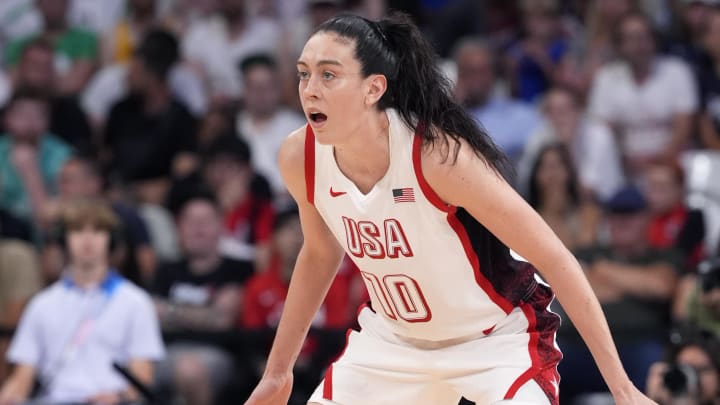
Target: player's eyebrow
[[322, 62]]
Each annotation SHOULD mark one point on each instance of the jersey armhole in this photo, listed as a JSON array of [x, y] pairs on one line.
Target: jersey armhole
[[427, 190], [310, 165]]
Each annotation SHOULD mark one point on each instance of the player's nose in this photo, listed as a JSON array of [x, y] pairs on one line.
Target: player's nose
[[311, 89]]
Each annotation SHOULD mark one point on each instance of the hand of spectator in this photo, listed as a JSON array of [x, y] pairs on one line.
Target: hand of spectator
[[654, 385], [106, 399], [272, 390], [24, 157]]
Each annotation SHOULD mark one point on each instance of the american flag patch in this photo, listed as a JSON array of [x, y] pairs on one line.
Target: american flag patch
[[403, 194]]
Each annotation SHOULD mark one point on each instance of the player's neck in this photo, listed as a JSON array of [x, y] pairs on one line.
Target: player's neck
[[365, 157]]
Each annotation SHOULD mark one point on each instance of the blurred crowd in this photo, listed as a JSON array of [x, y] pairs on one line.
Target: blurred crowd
[[171, 112]]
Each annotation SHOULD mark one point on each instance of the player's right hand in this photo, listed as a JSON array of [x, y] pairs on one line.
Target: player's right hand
[[272, 390]]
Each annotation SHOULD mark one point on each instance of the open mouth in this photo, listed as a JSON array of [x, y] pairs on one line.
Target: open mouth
[[317, 117]]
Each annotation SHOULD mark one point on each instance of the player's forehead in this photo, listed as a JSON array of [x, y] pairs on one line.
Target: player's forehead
[[328, 48]]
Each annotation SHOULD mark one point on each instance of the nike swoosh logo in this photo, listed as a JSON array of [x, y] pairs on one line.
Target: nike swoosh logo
[[336, 193]]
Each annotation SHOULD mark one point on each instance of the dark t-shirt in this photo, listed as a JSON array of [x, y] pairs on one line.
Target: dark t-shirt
[[12, 227], [175, 282], [709, 86], [143, 146], [631, 318]]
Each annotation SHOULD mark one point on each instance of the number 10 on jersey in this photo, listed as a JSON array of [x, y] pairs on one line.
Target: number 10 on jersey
[[400, 296]]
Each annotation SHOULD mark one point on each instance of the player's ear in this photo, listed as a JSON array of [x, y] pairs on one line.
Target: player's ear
[[377, 86]]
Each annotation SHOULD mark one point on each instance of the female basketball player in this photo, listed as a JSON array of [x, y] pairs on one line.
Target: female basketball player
[[392, 172]]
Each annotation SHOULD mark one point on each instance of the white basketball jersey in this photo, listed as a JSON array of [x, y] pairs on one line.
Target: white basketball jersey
[[431, 270]]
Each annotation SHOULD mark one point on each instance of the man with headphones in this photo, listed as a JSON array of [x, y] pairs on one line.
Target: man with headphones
[[73, 332]]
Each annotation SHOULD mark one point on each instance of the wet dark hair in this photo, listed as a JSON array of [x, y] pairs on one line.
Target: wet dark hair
[[535, 193], [417, 89]]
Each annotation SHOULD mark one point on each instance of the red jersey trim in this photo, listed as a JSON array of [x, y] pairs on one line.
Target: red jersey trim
[[472, 257], [457, 226], [429, 193], [310, 164]]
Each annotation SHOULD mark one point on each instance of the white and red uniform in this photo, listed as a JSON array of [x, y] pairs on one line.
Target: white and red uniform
[[451, 311]]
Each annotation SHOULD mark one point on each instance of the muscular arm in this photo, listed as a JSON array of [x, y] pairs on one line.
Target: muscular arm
[[315, 268], [472, 184]]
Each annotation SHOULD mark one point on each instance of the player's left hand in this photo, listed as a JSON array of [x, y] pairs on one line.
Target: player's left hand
[[632, 396]]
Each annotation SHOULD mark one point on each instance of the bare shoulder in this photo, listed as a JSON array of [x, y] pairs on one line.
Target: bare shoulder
[[454, 170], [291, 160]]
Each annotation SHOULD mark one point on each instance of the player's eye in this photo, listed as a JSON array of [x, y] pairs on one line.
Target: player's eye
[[302, 75], [328, 75]]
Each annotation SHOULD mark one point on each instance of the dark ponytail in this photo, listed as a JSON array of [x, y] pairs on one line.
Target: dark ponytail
[[417, 89]]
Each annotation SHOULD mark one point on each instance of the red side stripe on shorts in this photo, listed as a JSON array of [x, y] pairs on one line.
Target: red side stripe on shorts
[[310, 165], [534, 369]]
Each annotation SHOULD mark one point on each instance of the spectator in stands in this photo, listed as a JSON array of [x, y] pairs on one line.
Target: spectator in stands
[[648, 99], [19, 276], [673, 224], [709, 84], [591, 145], [18, 19], [133, 256], [30, 157], [508, 122], [110, 85], [36, 70], [698, 354], [267, 290], [149, 133], [690, 27], [534, 60], [264, 122], [199, 294], [217, 44], [555, 195], [76, 50], [634, 283], [73, 332], [592, 46], [701, 306], [247, 209], [120, 41]]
